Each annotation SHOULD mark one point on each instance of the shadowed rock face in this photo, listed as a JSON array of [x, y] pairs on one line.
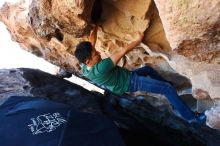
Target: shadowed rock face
[[181, 37], [148, 121]]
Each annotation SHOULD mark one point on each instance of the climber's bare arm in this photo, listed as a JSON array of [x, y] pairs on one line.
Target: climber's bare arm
[[115, 57], [93, 36]]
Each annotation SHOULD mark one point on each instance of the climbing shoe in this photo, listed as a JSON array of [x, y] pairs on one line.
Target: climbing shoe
[[199, 118]]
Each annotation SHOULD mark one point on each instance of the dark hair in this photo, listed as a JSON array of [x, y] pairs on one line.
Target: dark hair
[[83, 51]]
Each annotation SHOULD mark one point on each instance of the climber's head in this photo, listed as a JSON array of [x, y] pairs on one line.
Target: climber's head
[[87, 54]]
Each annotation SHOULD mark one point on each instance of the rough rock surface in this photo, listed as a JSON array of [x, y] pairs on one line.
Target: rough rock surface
[[141, 121], [51, 29], [16, 18], [192, 27], [49, 18], [193, 30]]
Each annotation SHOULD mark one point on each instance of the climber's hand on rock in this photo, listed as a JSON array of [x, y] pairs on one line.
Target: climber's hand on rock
[[140, 35]]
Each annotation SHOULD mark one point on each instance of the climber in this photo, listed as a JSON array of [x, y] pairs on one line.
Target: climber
[[119, 80]]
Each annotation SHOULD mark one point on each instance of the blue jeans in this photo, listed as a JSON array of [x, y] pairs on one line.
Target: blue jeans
[[147, 79]]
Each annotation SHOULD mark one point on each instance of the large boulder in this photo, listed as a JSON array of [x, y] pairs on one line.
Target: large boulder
[[141, 120], [192, 27], [181, 37]]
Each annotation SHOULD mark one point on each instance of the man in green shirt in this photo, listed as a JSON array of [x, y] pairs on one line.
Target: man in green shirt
[[119, 80]]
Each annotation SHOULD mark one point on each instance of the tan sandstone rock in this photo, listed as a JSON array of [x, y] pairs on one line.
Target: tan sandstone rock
[[192, 27], [193, 30]]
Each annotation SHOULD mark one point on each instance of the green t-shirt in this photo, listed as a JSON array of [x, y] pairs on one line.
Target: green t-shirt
[[116, 79]]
